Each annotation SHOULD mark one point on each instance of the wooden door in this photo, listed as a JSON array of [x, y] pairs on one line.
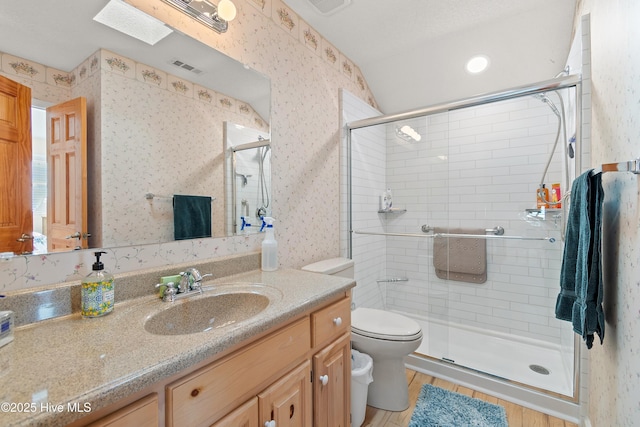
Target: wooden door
[[288, 401], [67, 176], [16, 215], [332, 384]]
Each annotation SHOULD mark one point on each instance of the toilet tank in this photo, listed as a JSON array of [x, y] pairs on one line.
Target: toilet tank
[[341, 267]]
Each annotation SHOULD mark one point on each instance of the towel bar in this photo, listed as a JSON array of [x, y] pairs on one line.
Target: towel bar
[[151, 196], [632, 166]]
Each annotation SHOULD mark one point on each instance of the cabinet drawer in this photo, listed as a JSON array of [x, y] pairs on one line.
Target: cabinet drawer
[[142, 413], [331, 322], [206, 395]]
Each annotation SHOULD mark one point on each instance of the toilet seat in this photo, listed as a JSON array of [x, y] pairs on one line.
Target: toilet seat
[[384, 325]]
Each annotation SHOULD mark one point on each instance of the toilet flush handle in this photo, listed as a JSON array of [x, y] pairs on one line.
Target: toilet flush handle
[[324, 379], [337, 321]]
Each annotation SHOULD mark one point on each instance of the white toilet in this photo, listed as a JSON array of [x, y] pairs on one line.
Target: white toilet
[[385, 336]]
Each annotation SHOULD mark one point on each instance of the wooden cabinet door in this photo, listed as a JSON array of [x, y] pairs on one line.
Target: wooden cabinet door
[[245, 416], [288, 400], [332, 384], [16, 215]]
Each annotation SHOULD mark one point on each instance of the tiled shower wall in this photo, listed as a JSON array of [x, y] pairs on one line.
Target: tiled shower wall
[[474, 168], [368, 177]]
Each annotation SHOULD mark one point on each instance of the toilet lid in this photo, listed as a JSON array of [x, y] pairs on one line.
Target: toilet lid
[[384, 325]]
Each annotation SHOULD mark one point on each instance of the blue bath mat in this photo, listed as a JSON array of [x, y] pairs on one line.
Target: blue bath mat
[[437, 407]]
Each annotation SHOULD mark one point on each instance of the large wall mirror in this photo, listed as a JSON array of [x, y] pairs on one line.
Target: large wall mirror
[[155, 121]]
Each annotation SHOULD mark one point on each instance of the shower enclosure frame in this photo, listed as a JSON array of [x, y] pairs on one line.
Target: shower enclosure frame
[[234, 190], [547, 401]]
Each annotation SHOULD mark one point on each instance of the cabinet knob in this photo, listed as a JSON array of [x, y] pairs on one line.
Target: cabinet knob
[[337, 321], [271, 423], [324, 379]]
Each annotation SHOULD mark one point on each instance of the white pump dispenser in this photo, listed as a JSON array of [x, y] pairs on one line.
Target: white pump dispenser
[[269, 246]]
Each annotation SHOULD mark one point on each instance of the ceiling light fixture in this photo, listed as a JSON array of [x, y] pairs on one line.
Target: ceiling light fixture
[[133, 22], [408, 133], [214, 17], [477, 64]]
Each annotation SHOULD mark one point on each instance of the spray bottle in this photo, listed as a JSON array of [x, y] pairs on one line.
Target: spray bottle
[[244, 228], [269, 246], [97, 291]]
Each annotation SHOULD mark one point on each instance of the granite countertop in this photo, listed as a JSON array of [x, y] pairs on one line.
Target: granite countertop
[[96, 362]]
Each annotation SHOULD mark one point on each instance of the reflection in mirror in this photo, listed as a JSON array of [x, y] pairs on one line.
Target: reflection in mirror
[[248, 165], [154, 124]]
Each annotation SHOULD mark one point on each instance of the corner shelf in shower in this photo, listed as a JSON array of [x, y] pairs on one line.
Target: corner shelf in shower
[[392, 210]]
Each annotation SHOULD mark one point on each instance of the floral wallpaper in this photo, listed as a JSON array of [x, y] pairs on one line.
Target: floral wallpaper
[[614, 368], [306, 74]]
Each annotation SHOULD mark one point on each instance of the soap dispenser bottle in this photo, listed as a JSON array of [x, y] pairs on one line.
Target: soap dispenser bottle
[[97, 291], [269, 246], [387, 200]]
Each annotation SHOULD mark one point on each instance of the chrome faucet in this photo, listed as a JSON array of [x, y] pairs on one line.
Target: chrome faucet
[[190, 284]]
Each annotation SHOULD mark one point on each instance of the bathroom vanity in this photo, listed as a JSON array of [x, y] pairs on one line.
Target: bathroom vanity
[[288, 364]]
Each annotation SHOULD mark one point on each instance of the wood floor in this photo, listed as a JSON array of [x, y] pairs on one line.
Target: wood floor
[[517, 416]]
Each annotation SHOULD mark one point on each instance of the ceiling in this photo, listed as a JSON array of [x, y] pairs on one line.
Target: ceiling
[[412, 53], [62, 34]]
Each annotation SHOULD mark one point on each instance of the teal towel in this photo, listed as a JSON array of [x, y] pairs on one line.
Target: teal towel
[[580, 298], [191, 217]]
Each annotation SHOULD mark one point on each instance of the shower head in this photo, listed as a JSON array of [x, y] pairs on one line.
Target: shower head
[[544, 98]]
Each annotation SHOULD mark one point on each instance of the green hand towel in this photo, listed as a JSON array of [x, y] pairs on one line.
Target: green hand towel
[[191, 217]]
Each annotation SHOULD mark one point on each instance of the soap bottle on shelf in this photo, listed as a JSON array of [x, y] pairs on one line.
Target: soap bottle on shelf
[[387, 200], [542, 197], [269, 246], [97, 291], [556, 196]]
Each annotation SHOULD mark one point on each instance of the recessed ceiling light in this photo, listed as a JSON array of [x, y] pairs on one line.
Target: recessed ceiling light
[[133, 22], [477, 64]]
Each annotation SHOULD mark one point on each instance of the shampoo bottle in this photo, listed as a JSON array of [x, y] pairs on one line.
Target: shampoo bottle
[[387, 200], [97, 291], [542, 197], [269, 246]]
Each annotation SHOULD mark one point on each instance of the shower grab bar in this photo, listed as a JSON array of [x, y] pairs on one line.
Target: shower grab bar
[[393, 280], [632, 166], [497, 230], [462, 236]]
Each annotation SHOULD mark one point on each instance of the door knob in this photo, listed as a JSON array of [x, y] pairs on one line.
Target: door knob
[[24, 237], [324, 379], [78, 235]]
